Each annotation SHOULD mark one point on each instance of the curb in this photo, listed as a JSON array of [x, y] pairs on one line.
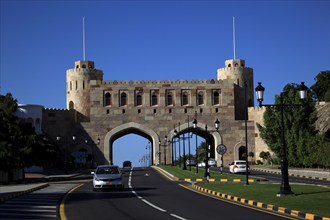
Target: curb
[[174, 178], [294, 175], [20, 193], [218, 180], [261, 205]]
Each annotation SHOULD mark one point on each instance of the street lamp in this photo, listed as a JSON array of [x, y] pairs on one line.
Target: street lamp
[[195, 128], [217, 126], [285, 188], [148, 147], [165, 143], [184, 151], [58, 139], [246, 139]]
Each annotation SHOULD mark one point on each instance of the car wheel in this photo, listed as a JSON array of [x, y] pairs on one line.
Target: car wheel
[[94, 190]]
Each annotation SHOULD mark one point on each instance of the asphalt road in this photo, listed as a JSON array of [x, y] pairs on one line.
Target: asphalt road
[[150, 195]]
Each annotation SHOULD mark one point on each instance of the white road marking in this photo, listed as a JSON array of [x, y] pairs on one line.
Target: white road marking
[[146, 201]]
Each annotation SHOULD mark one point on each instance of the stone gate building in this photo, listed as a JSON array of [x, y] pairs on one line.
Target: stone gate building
[[101, 111]]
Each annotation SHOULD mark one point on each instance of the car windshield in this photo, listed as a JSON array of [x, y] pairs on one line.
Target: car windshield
[[107, 170], [241, 163]]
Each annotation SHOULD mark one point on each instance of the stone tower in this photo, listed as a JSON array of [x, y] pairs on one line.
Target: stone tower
[[236, 72], [78, 86]]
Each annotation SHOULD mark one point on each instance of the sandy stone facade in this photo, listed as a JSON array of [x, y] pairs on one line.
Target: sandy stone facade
[[102, 111]]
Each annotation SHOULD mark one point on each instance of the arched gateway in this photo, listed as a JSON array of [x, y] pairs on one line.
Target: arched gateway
[[103, 111]]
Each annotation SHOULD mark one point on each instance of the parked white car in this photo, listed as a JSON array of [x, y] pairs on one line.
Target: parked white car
[[238, 166], [212, 163]]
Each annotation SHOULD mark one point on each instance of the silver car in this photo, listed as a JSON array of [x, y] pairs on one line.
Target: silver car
[[107, 176]]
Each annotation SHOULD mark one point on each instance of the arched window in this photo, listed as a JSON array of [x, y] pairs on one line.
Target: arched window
[[138, 99], [83, 84], [123, 99], [241, 153], [200, 98], [154, 98], [84, 66], [71, 105], [107, 99], [169, 99], [216, 98], [185, 98], [76, 85], [70, 85]]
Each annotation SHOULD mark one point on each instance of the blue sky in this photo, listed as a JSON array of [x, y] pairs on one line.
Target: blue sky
[[283, 41]]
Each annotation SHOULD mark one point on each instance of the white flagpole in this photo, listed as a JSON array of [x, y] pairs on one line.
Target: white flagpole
[[84, 49], [234, 38]]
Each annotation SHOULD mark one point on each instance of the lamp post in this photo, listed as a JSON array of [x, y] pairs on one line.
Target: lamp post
[[58, 139], [206, 173], [148, 147], [195, 128], [246, 139], [165, 143], [217, 125], [184, 151], [285, 188], [189, 159]]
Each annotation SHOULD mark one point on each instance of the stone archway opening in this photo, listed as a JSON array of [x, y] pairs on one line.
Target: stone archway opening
[[126, 129], [132, 147], [241, 153], [197, 137]]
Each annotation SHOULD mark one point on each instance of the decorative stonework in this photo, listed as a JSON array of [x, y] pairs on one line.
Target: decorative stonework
[[108, 110]]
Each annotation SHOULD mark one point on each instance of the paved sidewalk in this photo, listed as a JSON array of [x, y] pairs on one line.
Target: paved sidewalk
[[13, 191], [32, 182], [311, 174]]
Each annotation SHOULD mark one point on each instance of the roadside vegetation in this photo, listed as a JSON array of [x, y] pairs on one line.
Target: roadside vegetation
[[306, 146], [20, 146], [306, 198]]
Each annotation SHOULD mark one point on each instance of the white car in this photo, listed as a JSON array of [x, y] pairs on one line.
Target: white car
[[107, 176], [211, 162], [238, 166]]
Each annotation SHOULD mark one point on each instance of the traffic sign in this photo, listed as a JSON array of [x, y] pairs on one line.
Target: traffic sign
[[221, 149]]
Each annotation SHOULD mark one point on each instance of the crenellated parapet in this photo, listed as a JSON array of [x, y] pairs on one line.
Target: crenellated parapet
[[160, 82]]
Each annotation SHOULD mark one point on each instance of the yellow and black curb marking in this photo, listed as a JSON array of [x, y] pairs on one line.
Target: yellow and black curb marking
[[17, 194], [294, 175], [261, 205], [211, 180]]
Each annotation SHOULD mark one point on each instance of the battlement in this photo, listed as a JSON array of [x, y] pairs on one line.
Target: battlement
[[224, 69], [56, 109], [256, 109], [83, 70], [160, 82]]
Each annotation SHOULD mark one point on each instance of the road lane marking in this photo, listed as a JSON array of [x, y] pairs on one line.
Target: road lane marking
[[178, 217], [147, 202], [62, 212], [154, 206]]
